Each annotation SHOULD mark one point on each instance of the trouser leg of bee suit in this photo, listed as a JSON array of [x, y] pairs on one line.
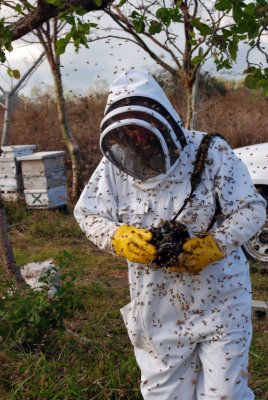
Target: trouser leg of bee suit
[[222, 374], [224, 368], [163, 382]]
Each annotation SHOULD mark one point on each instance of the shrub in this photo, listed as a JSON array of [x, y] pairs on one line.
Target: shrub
[[30, 317]]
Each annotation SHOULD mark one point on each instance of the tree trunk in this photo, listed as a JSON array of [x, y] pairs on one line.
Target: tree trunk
[[7, 116], [71, 145], [195, 94], [9, 98], [189, 102], [6, 252]]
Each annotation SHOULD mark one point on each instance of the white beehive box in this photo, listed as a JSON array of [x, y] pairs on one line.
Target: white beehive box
[[43, 161], [17, 150], [44, 179], [9, 165], [11, 196], [11, 182], [46, 198]]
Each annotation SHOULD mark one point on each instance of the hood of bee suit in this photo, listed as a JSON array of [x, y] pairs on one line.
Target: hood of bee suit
[[141, 133]]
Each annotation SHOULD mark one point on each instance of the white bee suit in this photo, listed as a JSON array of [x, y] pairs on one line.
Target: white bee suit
[[174, 320]]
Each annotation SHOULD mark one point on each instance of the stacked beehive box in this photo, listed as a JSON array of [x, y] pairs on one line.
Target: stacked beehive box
[[11, 182], [44, 179]]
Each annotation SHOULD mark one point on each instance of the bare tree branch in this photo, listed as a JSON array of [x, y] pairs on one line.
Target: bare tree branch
[[44, 12], [28, 73], [143, 45], [258, 44], [262, 9]]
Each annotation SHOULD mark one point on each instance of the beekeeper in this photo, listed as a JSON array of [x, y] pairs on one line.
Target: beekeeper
[[190, 323]]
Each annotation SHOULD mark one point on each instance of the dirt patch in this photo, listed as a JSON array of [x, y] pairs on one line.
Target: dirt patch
[[115, 278], [118, 278]]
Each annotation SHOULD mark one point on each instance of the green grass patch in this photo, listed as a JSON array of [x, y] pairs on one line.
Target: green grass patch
[[258, 355], [259, 281]]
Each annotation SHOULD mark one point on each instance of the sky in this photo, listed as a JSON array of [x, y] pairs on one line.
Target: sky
[[97, 66]]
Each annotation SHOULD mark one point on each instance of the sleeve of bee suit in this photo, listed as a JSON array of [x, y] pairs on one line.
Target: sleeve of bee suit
[[242, 208], [96, 209]]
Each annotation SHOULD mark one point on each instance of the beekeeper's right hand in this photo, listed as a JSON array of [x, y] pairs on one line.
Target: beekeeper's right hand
[[133, 244]]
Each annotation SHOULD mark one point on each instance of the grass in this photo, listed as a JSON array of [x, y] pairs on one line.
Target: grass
[[93, 357]]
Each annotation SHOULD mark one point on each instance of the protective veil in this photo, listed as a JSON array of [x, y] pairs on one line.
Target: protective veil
[[175, 320], [139, 134]]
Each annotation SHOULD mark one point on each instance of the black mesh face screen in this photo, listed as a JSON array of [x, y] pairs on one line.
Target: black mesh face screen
[[145, 116], [153, 105], [135, 150]]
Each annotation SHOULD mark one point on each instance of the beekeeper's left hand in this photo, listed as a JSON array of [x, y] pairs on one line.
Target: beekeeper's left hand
[[197, 254]]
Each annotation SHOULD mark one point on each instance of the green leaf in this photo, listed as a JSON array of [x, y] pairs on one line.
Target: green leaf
[[121, 3], [226, 33], [70, 19], [253, 30], [222, 5], [83, 27], [164, 15], [77, 43], [61, 45], [80, 11], [232, 48], [139, 25], [134, 14], [9, 71], [237, 13], [250, 9], [155, 27], [242, 27], [9, 47], [29, 6], [242, 37], [18, 8], [192, 42], [249, 70], [197, 60], [251, 81], [204, 29], [5, 40], [13, 73], [257, 79], [98, 2], [175, 14], [16, 74], [53, 2], [262, 83], [223, 64]]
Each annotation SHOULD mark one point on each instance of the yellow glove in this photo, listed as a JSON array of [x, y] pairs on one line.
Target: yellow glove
[[132, 243], [198, 254]]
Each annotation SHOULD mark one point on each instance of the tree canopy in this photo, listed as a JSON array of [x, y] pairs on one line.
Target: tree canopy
[[219, 27], [28, 17], [248, 24]]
